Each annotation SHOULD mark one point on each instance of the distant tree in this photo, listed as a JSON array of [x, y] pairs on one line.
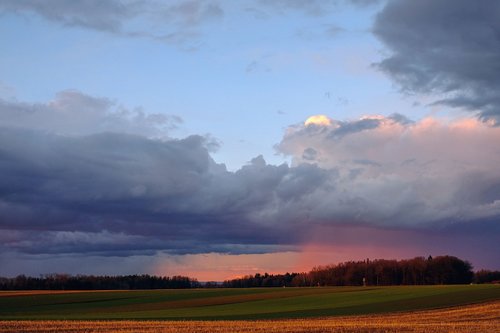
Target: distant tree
[[439, 270], [486, 276], [449, 270], [90, 282]]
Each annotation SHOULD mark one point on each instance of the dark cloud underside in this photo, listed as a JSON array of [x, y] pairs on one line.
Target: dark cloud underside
[[450, 48]]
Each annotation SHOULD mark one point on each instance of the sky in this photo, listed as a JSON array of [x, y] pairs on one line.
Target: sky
[[217, 138]]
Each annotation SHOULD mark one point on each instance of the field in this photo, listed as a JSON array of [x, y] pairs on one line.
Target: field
[[237, 304], [481, 318], [423, 309]]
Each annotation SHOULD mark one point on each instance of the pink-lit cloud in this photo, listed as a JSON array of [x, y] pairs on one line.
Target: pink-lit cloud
[[402, 172]]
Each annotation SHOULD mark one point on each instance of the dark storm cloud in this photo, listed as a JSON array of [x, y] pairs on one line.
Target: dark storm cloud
[[119, 193], [450, 48], [118, 183], [72, 190]]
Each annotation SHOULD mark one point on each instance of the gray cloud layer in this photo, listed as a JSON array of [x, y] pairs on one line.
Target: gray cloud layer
[[93, 14], [114, 192], [74, 113], [449, 47], [176, 22]]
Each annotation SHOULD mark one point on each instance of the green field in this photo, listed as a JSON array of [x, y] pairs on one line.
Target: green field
[[258, 303]]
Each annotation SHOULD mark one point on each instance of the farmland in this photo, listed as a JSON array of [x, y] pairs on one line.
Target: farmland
[[237, 304], [480, 318]]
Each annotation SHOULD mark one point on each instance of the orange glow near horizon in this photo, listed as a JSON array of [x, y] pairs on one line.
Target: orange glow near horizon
[[220, 267], [313, 252]]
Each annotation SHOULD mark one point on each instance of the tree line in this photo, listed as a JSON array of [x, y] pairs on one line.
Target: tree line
[[379, 272], [92, 282]]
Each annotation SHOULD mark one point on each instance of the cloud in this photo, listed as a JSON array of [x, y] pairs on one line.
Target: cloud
[[448, 48], [71, 190], [74, 113], [190, 13], [313, 7], [394, 172], [314, 33], [179, 22], [93, 14], [120, 183], [175, 22]]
